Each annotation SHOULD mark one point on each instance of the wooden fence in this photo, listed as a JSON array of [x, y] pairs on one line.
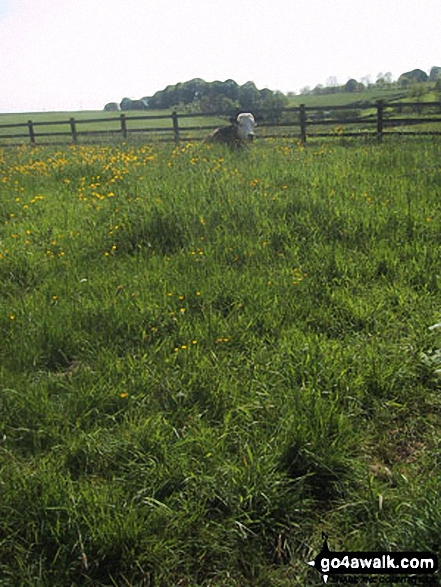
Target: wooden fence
[[301, 122]]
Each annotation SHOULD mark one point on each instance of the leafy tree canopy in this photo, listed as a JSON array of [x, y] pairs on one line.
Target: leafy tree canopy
[[223, 97]]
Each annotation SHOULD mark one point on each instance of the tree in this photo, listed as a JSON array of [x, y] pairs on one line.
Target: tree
[[231, 89], [193, 90], [383, 79], [351, 85], [224, 97], [249, 96], [418, 90], [416, 76], [435, 74], [126, 104], [332, 84], [111, 107], [305, 91], [273, 103], [227, 105], [366, 80]]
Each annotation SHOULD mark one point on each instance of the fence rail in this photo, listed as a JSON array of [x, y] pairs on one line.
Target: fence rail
[[358, 119]]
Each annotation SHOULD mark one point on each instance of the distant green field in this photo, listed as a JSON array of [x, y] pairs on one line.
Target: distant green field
[[346, 98], [208, 358], [370, 95]]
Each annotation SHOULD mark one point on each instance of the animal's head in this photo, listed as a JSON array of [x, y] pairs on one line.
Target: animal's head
[[245, 126]]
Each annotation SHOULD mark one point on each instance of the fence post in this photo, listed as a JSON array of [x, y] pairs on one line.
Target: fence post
[[73, 130], [175, 126], [303, 124], [380, 107], [31, 132], [123, 126]]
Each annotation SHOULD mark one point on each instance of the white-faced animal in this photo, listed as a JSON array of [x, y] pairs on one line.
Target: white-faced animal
[[237, 134]]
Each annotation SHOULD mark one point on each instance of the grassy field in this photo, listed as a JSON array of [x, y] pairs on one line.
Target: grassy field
[[208, 358], [347, 98]]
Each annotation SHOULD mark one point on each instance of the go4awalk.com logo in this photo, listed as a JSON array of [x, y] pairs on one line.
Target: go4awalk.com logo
[[368, 563]]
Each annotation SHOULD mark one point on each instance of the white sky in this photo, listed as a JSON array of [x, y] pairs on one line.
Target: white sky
[[81, 54]]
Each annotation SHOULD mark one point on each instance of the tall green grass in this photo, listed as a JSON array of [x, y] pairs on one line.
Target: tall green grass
[[208, 358]]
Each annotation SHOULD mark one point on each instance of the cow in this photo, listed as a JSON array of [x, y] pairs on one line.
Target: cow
[[237, 134]]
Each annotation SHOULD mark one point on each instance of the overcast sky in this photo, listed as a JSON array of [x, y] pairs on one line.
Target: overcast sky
[[81, 54]]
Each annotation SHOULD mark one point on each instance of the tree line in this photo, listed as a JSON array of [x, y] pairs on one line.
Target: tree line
[[198, 95], [226, 97], [384, 80]]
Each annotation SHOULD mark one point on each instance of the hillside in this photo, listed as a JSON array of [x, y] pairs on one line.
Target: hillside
[[227, 96]]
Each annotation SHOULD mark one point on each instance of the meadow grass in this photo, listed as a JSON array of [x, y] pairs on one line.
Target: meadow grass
[[210, 357]]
